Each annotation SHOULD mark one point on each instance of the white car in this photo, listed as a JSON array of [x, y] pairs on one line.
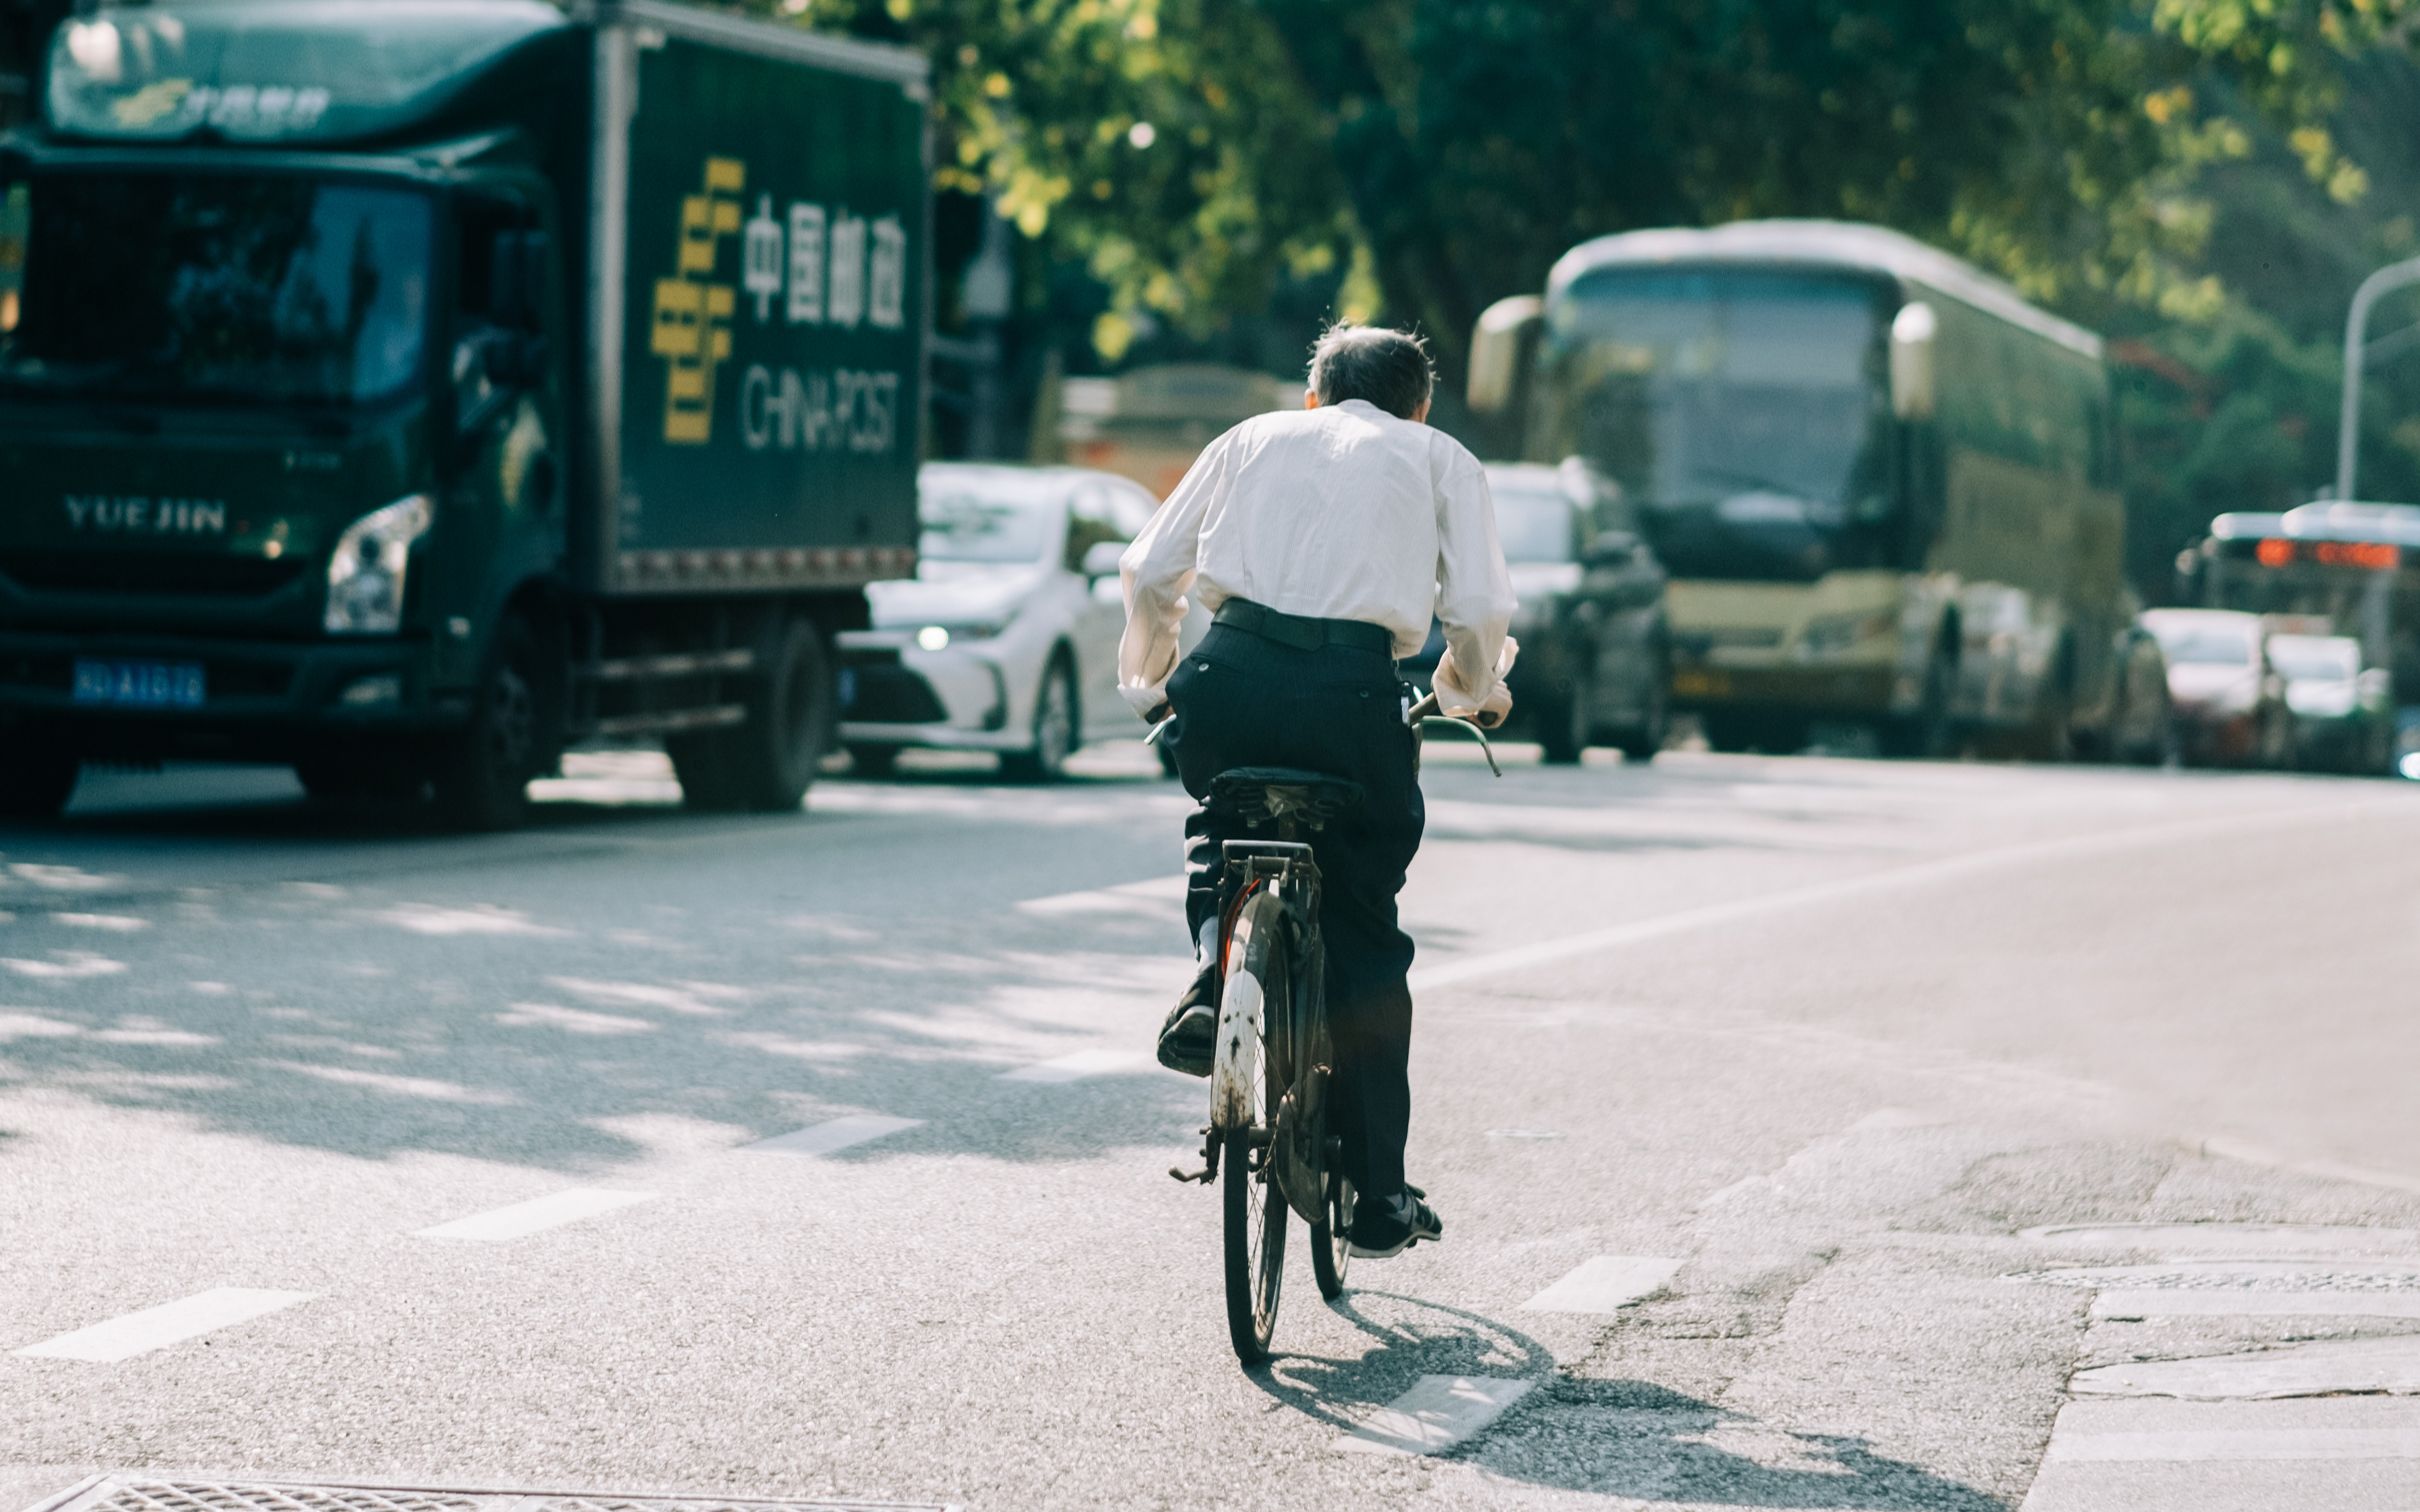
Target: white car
[[1006, 640]]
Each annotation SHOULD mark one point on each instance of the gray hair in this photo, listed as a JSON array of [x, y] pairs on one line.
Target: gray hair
[[1388, 368]]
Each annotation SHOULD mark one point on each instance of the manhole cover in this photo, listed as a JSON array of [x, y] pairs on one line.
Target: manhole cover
[[129, 1493]]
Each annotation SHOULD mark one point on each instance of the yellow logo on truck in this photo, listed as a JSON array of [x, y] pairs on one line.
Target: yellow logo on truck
[[692, 311]]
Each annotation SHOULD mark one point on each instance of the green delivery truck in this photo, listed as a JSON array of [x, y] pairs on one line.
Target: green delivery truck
[[408, 389]]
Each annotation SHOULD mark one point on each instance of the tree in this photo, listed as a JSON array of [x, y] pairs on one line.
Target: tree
[[1191, 152]]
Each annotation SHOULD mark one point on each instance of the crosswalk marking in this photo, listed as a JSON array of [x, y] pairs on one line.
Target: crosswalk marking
[[1436, 1414], [2335, 1454], [169, 1323], [1604, 1284], [834, 1134], [522, 1218], [2250, 1241], [1080, 1066], [2333, 1366], [2123, 1302]]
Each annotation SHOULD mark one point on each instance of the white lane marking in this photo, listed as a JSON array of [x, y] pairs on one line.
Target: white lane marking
[[834, 1134], [2388, 1366], [169, 1323], [1436, 1414], [2235, 1444], [2241, 1289], [2327, 1170], [1153, 896], [2249, 1241], [1604, 1284], [2160, 1303], [1080, 1065], [521, 1218], [2127, 1456], [1892, 879]]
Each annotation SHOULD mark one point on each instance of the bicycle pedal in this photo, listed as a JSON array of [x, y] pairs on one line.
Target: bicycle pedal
[[1202, 1175]]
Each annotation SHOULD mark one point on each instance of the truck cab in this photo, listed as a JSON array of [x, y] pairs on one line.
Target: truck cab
[[312, 403]]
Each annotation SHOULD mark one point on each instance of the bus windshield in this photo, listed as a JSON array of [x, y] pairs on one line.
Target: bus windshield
[[1739, 408], [209, 288]]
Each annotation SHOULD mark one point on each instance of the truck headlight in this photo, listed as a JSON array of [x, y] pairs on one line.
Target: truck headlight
[[366, 572]]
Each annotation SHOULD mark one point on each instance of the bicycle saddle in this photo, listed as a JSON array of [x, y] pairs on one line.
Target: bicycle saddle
[[1258, 793]]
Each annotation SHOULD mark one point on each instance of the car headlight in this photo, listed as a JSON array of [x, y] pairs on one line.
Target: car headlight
[[942, 637], [367, 570]]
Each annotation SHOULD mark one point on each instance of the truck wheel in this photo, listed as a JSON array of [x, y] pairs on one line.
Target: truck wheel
[[35, 785], [765, 765], [484, 773], [1056, 721]]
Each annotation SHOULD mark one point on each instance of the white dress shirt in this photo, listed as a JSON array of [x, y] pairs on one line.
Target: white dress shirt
[[1342, 512]]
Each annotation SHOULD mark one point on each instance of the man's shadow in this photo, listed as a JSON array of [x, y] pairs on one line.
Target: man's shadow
[[1623, 1438]]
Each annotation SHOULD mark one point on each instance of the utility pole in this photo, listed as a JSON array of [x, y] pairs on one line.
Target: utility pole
[[2356, 355]]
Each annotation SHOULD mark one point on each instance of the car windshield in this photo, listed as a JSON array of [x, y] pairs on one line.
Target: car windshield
[[212, 288], [989, 520], [2316, 658], [1533, 522], [2206, 642]]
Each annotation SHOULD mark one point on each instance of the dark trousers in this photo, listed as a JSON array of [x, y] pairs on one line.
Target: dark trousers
[[1241, 700]]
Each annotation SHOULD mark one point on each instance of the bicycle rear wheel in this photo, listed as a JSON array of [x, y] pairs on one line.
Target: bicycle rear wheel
[[1257, 990]]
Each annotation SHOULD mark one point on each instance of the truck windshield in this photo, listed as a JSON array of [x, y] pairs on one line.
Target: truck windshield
[[211, 289], [1737, 407]]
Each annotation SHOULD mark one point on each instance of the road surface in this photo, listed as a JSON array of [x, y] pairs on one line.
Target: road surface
[[1808, 1133]]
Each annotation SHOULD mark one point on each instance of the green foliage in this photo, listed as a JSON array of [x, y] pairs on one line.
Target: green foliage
[[2192, 175]]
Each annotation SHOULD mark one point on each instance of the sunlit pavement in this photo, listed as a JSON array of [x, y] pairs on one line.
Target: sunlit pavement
[[1809, 1133]]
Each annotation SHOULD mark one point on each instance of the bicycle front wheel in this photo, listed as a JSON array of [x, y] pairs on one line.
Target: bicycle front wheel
[[1257, 993], [1331, 1251]]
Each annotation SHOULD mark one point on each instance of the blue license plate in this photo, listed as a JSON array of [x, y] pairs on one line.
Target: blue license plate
[[139, 684]]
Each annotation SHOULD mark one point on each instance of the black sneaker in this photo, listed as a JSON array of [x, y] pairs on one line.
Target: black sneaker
[[1189, 1040], [1383, 1230]]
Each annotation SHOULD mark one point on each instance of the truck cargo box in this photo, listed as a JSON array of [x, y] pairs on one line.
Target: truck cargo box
[[759, 288]]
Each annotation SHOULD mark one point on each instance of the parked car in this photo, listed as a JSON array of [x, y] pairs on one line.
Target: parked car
[[1006, 640], [2230, 703], [1596, 663], [2344, 713]]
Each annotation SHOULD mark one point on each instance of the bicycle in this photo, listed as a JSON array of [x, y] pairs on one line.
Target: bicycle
[[1267, 1138]]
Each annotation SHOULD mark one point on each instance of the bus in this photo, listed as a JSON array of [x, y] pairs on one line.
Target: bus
[[2357, 566], [1885, 486]]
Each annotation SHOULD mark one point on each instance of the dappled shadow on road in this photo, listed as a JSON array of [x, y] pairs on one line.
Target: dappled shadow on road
[[1629, 1439], [517, 998], [1638, 1441]]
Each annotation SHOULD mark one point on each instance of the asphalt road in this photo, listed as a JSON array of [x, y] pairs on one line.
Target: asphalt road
[[335, 1151]]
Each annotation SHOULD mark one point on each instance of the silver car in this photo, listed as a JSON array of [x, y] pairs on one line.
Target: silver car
[[1006, 640]]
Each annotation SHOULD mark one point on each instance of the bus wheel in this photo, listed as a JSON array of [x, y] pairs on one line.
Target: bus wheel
[[1925, 734]]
